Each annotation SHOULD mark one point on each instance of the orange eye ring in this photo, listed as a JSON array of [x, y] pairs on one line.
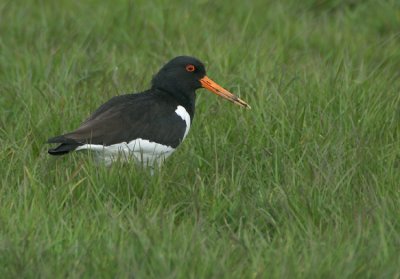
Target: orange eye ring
[[190, 68]]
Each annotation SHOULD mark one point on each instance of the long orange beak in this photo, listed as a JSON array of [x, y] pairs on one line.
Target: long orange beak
[[212, 86]]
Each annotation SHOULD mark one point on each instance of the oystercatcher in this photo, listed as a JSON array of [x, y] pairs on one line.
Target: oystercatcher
[[146, 126]]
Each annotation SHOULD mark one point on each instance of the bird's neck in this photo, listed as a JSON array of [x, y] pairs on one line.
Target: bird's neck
[[184, 98]]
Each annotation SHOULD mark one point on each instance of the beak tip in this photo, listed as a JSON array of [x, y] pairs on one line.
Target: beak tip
[[210, 85], [244, 104]]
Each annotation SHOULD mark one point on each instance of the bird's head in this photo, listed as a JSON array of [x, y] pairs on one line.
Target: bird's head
[[185, 74]]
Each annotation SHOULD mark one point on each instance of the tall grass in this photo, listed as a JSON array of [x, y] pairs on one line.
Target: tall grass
[[304, 185]]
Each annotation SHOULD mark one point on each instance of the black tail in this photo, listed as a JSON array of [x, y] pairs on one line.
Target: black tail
[[66, 146], [63, 148]]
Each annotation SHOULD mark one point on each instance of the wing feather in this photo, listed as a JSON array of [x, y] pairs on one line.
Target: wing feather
[[128, 117]]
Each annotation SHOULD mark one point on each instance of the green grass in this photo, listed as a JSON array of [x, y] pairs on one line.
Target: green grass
[[304, 185]]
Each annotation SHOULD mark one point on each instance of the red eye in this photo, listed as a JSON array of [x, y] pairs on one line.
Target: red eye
[[190, 68]]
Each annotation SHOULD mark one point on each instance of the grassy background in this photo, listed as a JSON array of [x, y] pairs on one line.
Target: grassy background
[[304, 185]]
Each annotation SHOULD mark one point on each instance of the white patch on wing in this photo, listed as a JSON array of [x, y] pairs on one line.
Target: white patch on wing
[[181, 111], [144, 151]]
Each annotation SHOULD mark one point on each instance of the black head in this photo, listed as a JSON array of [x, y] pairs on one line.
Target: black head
[[181, 77]]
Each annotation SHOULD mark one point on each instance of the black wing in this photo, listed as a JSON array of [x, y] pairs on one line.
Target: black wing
[[125, 118]]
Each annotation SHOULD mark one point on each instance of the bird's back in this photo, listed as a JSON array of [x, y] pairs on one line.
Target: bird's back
[[147, 122]]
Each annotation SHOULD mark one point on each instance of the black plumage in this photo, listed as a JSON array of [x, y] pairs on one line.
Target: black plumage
[[125, 118], [150, 115]]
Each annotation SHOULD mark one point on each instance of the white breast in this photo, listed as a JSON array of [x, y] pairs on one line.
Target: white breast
[[181, 111]]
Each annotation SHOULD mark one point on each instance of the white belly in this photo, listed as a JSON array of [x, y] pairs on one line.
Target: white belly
[[141, 151]]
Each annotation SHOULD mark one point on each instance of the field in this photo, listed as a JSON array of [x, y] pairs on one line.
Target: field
[[303, 185]]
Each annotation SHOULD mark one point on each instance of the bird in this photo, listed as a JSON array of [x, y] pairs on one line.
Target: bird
[[145, 127]]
